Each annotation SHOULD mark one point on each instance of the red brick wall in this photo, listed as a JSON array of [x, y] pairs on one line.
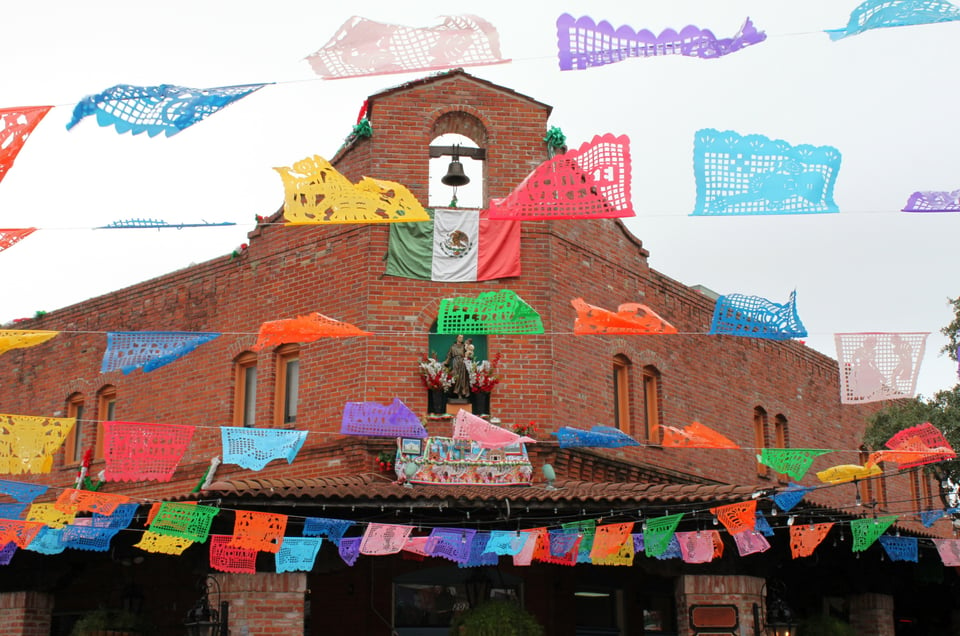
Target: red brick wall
[[709, 589], [25, 613], [555, 379], [265, 603], [872, 614]]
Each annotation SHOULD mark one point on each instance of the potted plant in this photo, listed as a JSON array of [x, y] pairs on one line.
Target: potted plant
[[484, 377], [109, 622], [496, 618], [437, 380]]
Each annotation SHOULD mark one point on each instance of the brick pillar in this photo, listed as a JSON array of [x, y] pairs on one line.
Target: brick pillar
[[263, 603], [26, 613], [708, 589], [872, 614]]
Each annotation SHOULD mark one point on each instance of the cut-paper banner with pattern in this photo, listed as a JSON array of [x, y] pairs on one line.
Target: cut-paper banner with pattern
[[495, 312], [790, 461], [48, 541], [159, 109], [902, 457], [900, 548], [450, 543], [699, 546], [585, 44], [609, 538], [254, 448], [949, 550], [630, 318], [12, 511], [472, 427], [587, 530], [333, 529], [804, 538], [562, 541], [866, 531], [478, 556], [7, 552], [598, 436], [790, 496], [762, 525], [155, 508], [21, 491], [924, 439], [190, 522], [752, 174], [657, 533], [16, 124], [11, 236], [88, 537], [365, 47], [737, 517], [227, 557], [878, 14], [933, 202], [162, 543], [372, 419], [930, 517], [532, 538], [297, 554], [142, 452], [20, 338], [504, 542], [756, 317], [847, 472], [624, 556], [349, 550], [384, 538], [315, 193], [303, 329], [878, 366], [120, 518], [19, 532], [73, 500], [695, 435], [751, 542], [260, 531], [417, 545], [28, 443], [151, 350], [50, 515], [592, 182]]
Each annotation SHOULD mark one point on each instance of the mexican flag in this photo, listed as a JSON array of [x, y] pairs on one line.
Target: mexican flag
[[454, 245]]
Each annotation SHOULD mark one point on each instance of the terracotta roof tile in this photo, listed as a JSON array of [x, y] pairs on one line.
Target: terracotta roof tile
[[372, 488]]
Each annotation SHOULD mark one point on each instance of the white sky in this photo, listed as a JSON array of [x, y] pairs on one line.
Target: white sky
[[885, 99]]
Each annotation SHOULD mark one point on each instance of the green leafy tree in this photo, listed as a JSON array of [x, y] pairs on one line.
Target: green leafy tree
[[942, 410]]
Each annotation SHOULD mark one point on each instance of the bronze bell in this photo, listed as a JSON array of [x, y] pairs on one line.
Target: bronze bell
[[455, 176]]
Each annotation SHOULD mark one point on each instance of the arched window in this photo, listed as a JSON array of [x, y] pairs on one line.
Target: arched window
[[760, 437], [288, 385], [245, 390], [106, 412], [621, 393], [780, 438], [73, 444], [652, 412], [466, 135]]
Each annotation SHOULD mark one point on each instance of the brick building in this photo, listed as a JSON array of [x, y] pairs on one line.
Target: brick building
[[760, 393]]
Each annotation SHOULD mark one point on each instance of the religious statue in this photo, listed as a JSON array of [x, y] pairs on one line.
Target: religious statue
[[457, 363]]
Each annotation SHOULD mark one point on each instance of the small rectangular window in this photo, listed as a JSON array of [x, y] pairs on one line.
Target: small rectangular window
[[245, 396], [106, 412], [651, 405], [760, 437], [621, 394], [73, 444], [288, 385]]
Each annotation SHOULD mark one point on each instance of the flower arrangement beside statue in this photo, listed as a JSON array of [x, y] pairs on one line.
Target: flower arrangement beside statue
[[484, 377], [437, 379], [434, 375]]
